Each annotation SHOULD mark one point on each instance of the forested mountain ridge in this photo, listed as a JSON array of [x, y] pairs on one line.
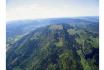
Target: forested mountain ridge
[[58, 46], [17, 29]]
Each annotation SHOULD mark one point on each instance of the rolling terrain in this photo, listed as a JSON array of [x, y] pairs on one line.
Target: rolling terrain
[[53, 44]]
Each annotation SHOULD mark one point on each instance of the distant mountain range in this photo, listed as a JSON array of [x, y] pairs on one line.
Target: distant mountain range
[[53, 44]]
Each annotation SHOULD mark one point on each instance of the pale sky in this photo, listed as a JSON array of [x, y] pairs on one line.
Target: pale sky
[[34, 9]]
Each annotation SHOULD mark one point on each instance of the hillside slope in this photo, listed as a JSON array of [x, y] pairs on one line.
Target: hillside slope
[[56, 47], [15, 30]]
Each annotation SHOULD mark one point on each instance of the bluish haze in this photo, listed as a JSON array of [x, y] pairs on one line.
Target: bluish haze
[[33, 9]]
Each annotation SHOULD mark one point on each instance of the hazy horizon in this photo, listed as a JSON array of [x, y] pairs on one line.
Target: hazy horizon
[[36, 19], [37, 9]]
